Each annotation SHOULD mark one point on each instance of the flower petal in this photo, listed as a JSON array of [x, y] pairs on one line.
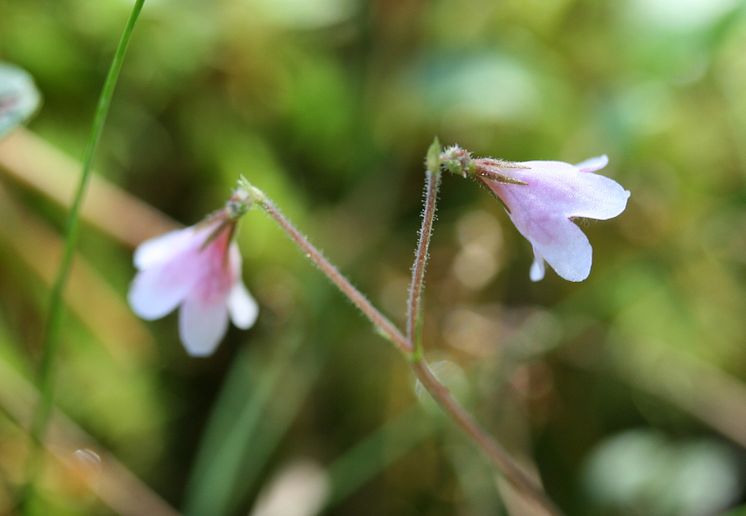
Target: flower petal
[[234, 260], [593, 164], [202, 324], [563, 189], [242, 307], [564, 247], [596, 197], [162, 248], [554, 238], [157, 291], [537, 267]]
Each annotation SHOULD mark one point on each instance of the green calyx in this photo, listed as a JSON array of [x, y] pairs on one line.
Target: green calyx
[[457, 161], [244, 196]]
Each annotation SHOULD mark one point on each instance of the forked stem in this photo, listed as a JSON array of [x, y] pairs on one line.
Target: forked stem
[[513, 473], [380, 321], [496, 453]]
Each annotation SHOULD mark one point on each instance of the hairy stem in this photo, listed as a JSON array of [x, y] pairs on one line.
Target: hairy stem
[[417, 285], [51, 328], [380, 321], [496, 453]]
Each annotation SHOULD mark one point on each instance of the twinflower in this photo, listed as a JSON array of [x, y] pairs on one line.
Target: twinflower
[[199, 270], [543, 199]]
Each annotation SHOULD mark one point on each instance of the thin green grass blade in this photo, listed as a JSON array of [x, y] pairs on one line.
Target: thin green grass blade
[[236, 428], [51, 334], [376, 452], [275, 426]]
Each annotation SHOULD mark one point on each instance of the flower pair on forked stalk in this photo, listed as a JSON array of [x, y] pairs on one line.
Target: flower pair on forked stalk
[[199, 268]]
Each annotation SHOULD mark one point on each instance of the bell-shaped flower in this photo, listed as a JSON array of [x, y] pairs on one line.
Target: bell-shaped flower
[[543, 198], [199, 269]]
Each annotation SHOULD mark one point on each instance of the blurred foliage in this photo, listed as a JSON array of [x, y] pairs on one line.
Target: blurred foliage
[[626, 390]]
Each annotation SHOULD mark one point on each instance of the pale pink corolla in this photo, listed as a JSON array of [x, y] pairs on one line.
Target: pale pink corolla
[[543, 198], [199, 269]]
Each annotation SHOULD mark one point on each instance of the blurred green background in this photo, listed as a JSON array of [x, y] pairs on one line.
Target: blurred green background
[[626, 392]]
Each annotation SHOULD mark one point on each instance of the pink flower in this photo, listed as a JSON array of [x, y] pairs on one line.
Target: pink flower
[[543, 198], [198, 268]]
